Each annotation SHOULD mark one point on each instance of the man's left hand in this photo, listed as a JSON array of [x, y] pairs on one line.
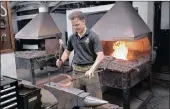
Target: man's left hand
[[89, 74]]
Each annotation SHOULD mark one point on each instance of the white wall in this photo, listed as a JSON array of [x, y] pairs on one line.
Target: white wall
[[165, 12], [8, 65], [60, 20], [145, 10], [14, 23]]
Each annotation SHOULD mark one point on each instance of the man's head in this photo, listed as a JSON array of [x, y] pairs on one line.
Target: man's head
[[78, 21]]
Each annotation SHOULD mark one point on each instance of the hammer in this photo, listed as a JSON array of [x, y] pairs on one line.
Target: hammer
[[60, 49]]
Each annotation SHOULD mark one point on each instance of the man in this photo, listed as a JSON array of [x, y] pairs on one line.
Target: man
[[88, 53]]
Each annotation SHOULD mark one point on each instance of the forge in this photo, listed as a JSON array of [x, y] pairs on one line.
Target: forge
[[126, 66], [127, 45]]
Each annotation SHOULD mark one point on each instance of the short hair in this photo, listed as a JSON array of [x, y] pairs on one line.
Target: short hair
[[77, 14]]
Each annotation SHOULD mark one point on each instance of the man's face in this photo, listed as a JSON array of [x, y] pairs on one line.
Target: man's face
[[78, 25]]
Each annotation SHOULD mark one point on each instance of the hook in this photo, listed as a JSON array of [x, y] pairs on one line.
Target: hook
[[5, 11], [2, 23], [3, 37]]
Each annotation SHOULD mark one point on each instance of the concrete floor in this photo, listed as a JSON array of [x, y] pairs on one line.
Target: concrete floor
[[160, 99]]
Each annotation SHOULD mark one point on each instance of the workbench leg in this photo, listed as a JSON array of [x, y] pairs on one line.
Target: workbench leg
[[126, 98], [32, 74]]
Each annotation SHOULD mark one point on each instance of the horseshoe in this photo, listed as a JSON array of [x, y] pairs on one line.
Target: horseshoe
[[5, 11], [70, 79], [68, 83]]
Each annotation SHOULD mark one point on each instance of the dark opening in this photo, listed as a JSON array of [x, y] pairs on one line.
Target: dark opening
[[22, 23]]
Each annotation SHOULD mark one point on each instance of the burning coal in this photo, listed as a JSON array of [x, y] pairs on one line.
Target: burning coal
[[120, 50]]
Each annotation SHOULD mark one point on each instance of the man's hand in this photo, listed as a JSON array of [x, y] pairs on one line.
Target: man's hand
[[59, 63], [89, 74], [61, 42], [100, 57]]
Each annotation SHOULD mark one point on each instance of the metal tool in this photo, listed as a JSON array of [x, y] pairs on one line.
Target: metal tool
[[60, 49], [68, 98], [70, 79], [49, 78], [55, 56], [84, 75]]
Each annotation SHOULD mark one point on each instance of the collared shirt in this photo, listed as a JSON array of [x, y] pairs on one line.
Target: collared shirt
[[85, 47]]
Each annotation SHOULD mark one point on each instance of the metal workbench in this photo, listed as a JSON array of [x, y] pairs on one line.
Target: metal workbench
[[32, 60]]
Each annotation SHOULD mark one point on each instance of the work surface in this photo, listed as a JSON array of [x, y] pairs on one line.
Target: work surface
[[24, 59], [30, 54], [123, 66]]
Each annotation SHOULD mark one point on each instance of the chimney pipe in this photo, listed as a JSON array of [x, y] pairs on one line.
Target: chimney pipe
[[43, 7]]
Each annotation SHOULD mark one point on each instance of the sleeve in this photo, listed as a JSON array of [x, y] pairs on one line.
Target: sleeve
[[69, 44], [97, 44]]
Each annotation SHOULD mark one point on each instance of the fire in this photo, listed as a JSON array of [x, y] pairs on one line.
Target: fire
[[120, 50]]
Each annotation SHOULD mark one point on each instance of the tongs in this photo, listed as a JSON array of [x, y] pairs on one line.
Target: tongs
[[70, 79]]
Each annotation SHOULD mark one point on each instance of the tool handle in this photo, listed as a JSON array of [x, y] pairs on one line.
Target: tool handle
[[60, 49], [49, 78], [84, 75]]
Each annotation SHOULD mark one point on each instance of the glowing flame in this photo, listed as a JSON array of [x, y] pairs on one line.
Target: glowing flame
[[120, 50]]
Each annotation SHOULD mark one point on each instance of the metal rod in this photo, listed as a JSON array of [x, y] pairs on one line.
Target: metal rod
[[84, 75], [60, 52], [7, 89], [53, 105], [49, 78], [60, 57], [45, 59]]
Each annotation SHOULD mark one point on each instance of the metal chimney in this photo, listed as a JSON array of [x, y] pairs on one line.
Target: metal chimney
[[121, 22], [40, 27]]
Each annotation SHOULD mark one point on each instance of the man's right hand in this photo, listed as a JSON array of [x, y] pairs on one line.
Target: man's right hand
[[59, 63], [61, 42]]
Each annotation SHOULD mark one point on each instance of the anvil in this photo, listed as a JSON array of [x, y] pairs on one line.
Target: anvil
[[68, 98]]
